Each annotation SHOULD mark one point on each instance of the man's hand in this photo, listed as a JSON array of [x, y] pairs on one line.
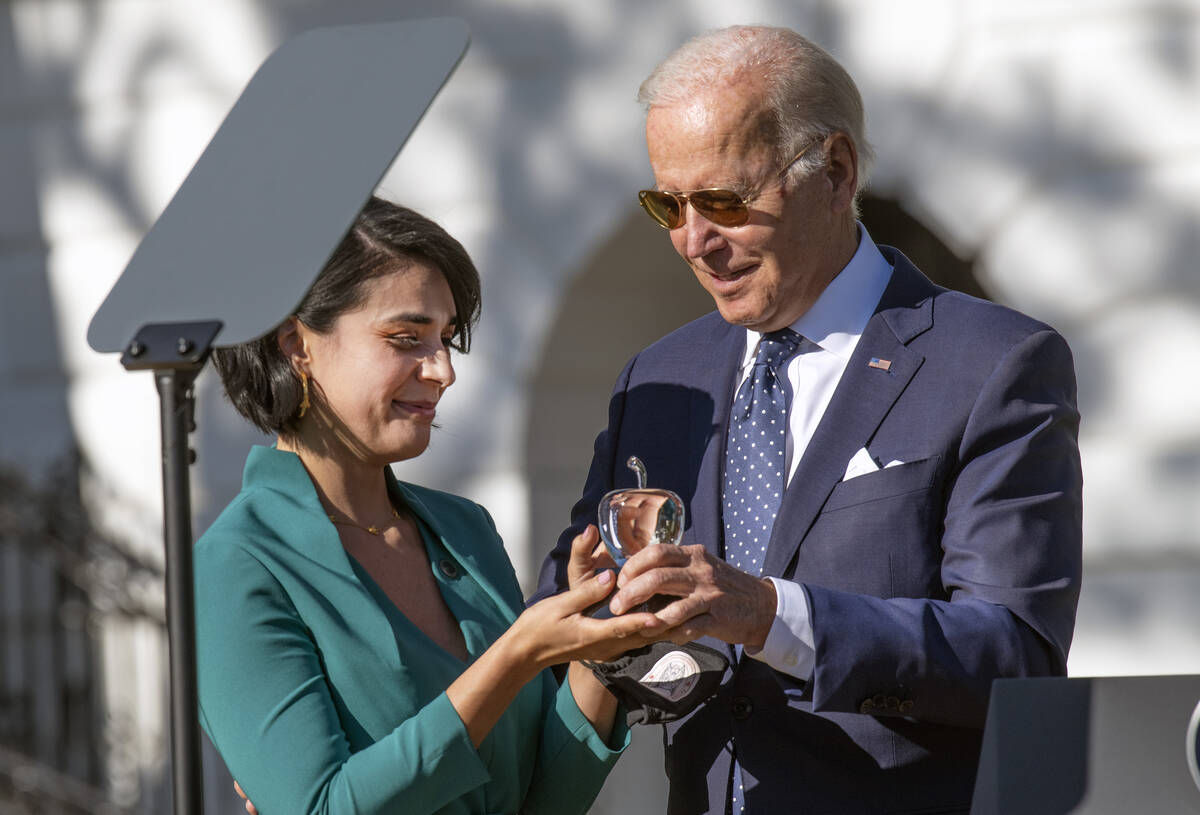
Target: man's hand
[[715, 599]]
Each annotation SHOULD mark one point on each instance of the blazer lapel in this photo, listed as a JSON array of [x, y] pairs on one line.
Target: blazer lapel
[[451, 533], [717, 368], [310, 537], [862, 399]]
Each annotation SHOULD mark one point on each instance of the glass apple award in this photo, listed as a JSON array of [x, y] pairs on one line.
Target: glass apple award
[[632, 519]]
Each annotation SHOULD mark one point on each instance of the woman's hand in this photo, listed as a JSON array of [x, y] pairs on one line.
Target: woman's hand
[[551, 632], [557, 630], [249, 806], [588, 555]]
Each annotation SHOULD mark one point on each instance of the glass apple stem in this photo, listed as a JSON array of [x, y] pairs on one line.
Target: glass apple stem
[[634, 463]]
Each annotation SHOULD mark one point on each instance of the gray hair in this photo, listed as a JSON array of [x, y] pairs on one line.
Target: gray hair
[[809, 94]]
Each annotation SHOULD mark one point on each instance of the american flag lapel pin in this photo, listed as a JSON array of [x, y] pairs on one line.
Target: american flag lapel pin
[[881, 364]]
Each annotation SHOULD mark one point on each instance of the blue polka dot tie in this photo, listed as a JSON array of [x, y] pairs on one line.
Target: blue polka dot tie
[[756, 454], [755, 458]]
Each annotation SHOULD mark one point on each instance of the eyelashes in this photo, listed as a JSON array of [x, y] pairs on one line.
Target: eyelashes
[[407, 342]]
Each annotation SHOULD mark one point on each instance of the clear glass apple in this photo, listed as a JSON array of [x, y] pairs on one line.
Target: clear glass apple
[[632, 519]]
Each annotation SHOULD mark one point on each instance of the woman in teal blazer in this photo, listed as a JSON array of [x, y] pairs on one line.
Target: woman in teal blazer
[[362, 642]]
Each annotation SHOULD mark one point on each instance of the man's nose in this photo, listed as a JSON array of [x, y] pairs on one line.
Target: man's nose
[[701, 236]]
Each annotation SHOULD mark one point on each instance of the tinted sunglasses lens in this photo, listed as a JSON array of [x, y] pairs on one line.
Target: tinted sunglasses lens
[[663, 208], [724, 207]]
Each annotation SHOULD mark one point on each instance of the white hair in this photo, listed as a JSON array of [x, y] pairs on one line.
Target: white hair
[[809, 95]]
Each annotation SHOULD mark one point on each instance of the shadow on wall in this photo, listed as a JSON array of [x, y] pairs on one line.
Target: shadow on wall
[[35, 426], [890, 225], [58, 576]]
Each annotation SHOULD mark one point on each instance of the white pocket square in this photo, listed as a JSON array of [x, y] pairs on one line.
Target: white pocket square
[[862, 463]]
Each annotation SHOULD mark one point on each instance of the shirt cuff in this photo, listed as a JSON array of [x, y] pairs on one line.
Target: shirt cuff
[[790, 647]]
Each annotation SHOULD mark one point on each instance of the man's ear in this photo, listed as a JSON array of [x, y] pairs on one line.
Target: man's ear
[[291, 339], [842, 171]]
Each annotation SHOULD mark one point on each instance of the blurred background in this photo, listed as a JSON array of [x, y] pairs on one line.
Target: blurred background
[[1042, 153]]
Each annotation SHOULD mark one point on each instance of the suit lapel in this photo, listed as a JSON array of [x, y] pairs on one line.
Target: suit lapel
[[452, 533], [312, 539], [709, 419], [862, 399]]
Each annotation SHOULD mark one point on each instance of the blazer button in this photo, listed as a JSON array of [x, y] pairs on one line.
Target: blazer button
[[867, 706], [742, 707], [449, 568], [906, 706], [893, 703]]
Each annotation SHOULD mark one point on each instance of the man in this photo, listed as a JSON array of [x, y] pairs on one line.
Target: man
[[912, 530]]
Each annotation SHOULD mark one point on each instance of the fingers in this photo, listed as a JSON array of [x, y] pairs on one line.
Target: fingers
[[693, 628], [585, 543], [688, 617], [250, 808], [557, 630], [591, 592], [602, 558], [587, 592], [612, 637], [583, 561], [641, 624], [657, 557], [709, 597], [682, 572]]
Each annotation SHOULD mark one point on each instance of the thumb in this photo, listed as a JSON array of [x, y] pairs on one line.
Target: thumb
[[582, 560], [590, 591]]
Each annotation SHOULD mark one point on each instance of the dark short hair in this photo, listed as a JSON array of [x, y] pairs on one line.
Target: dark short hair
[[260, 381]]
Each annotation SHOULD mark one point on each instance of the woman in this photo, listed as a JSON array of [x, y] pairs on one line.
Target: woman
[[362, 646]]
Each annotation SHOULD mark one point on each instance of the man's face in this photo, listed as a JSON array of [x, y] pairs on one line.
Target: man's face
[[765, 274]]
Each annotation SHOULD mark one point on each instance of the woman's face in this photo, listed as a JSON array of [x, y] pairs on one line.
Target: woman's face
[[378, 374]]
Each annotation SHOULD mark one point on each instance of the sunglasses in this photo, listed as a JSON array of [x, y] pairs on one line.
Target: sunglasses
[[722, 207]]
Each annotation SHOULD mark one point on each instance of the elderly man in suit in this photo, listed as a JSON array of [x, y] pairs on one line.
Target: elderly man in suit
[[882, 475]]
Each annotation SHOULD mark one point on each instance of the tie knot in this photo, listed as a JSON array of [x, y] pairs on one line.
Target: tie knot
[[776, 346]]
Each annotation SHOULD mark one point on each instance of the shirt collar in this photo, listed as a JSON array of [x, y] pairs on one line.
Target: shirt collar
[[837, 320]]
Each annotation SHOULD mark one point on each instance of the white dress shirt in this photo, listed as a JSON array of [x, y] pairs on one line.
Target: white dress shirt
[[831, 330]]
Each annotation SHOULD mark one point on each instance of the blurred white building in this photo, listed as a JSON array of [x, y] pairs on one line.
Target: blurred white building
[[1049, 149]]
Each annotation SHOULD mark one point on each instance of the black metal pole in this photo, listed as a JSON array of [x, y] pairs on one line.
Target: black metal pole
[[176, 353], [176, 409]]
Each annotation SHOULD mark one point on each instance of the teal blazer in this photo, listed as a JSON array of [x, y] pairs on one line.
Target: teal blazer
[[322, 697]]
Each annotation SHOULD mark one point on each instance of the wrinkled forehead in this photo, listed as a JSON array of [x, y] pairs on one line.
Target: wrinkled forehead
[[715, 138]]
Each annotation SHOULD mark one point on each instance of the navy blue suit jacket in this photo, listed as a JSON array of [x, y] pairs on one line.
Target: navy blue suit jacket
[[927, 580]]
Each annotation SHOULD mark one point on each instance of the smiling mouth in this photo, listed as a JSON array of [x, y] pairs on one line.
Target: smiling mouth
[[417, 410], [731, 277]]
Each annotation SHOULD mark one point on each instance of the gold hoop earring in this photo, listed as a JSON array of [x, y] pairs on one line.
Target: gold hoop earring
[[304, 399]]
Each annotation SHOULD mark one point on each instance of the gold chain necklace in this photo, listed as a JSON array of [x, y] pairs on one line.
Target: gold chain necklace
[[370, 530]]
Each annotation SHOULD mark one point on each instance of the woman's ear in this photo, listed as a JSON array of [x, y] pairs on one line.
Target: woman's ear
[[291, 339]]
